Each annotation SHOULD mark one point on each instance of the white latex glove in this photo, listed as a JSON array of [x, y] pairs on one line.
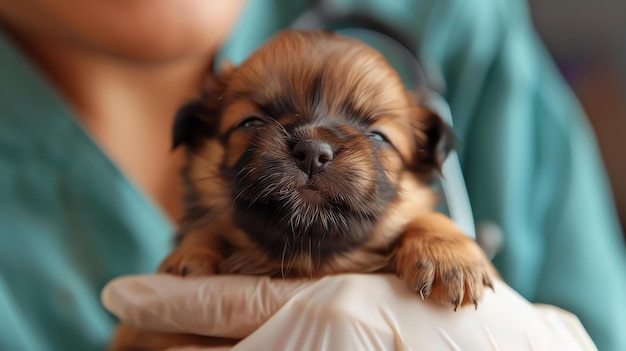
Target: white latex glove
[[342, 312]]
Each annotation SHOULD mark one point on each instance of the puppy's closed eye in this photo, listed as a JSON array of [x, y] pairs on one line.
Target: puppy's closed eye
[[252, 122], [378, 136]]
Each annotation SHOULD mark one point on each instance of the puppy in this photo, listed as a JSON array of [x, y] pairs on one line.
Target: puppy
[[310, 159]]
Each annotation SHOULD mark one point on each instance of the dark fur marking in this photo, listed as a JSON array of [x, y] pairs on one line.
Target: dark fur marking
[[194, 122], [440, 141]]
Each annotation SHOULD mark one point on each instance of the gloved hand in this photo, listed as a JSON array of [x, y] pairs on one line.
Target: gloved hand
[[341, 312]]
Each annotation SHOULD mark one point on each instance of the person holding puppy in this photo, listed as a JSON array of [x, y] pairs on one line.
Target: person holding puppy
[[89, 189]]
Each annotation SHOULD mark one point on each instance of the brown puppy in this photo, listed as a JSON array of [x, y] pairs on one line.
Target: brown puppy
[[311, 158]]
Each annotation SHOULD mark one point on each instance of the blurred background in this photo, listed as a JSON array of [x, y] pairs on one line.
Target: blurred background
[[587, 39]]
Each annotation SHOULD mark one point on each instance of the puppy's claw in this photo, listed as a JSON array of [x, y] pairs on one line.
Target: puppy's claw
[[452, 270], [474, 302], [424, 292], [186, 262], [456, 304], [488, 282]]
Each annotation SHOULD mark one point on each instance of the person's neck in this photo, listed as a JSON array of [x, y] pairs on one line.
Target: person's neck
[[129, 109]]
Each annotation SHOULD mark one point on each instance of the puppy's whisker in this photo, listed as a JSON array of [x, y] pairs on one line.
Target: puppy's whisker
[[290, 261], [247, 169], [241, 192], [280, 127], [282, 260], [309, 261], [318, 260], [303, 258], [268, 190]]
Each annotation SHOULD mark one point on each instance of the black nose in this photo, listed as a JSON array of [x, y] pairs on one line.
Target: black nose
[[312, 156]]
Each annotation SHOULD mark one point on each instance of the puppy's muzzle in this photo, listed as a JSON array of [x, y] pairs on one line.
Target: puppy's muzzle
[[312, 156]]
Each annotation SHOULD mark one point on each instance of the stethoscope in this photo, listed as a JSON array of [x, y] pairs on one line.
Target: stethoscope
[[387, 40]]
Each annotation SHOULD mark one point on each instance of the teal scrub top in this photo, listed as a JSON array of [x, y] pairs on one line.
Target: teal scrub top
[[70, 221]]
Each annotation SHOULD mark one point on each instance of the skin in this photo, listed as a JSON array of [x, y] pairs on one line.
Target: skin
[[125, 67]]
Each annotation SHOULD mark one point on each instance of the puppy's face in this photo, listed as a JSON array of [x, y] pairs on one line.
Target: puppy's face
[[311, 148]]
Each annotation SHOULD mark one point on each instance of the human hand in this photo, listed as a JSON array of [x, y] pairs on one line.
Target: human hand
[[341, 312]]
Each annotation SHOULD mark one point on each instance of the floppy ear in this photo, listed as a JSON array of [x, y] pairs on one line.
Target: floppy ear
[[194, 121], [434, 136], [199, 119], [440, 140]]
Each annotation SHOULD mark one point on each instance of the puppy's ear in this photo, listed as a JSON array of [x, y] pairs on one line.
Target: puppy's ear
[[440, 140], [194, 121], [199, 119], [434, 137]]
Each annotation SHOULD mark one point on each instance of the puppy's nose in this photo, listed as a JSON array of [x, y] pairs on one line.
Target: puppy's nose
[[312, 156]]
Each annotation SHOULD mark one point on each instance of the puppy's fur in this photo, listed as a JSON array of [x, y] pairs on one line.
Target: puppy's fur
[[310, 159]]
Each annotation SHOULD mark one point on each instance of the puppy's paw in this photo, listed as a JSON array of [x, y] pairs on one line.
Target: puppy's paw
[[192, 261], [444, 265]]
